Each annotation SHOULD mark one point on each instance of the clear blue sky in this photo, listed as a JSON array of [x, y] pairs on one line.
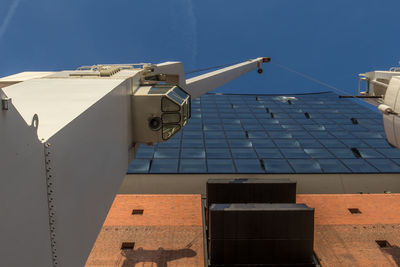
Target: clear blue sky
[[332, 41]]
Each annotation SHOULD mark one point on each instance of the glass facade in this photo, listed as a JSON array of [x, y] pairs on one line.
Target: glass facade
[[310, 133]]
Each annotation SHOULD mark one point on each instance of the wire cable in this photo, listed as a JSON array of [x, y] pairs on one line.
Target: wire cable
[[282, 67], [309, 78]]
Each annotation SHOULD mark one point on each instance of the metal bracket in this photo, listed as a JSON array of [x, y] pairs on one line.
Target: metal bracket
[[5, 103]]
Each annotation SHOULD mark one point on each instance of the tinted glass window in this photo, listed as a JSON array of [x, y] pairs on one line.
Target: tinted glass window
[[220, 166], [248, 166], [277, 166]]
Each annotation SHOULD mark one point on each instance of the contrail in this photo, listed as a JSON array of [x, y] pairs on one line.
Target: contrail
[[8, 17]]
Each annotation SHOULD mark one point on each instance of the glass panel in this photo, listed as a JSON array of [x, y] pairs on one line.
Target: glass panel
[[214, 135], [369, 153], [171, 143], [171, 117], [249, 166], [331, 143], [175, 97], [211, 143], [279, 135], [301, 134], [168, 130], [220, 166], [305, 122], [309, 143], [262, 143], [342, 153], [257, 134], [233, 127], [228, 115], [269, 121], [321, 134], [354, 142], [254, 127], [239, 143], [164, 166], [243, 153], [145, 152], [269, 153], [139, 166], [230, 121], [384, 165], [212, 127], [342, 134], [235, 134], [367, 135], [332, 166], [377, 143], [212, 121], [193, 166], [393, 153], [244, 115], [195, 122], [210, 115], [281, 115], [192, 134], [193, 127], [319, 153], [169, 105], [286, 143], [294, 153], [314, 127], [305, 165], [277, 166], [166, 153], [193, 143], [180, 92], [273, 127], [353, 127], [249, 121], [292, 127], [359, 165], [190, 153], [221, 153]]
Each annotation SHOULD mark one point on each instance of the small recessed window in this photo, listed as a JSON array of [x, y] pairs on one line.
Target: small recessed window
[[128, 245], [137, 212], [383, 243], [354, 211]]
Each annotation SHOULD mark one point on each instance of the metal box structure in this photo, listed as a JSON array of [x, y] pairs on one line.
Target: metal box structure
[[250, 191], [255, 234]]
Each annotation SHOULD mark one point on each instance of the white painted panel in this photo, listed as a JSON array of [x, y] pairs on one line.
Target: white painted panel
[[89, 160], [24, 224], [57, 101], [389, 121]]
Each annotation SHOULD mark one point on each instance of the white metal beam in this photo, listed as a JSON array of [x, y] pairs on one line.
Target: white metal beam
[[200, 85]]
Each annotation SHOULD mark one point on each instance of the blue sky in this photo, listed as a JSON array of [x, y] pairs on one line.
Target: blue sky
[[332, 41]]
